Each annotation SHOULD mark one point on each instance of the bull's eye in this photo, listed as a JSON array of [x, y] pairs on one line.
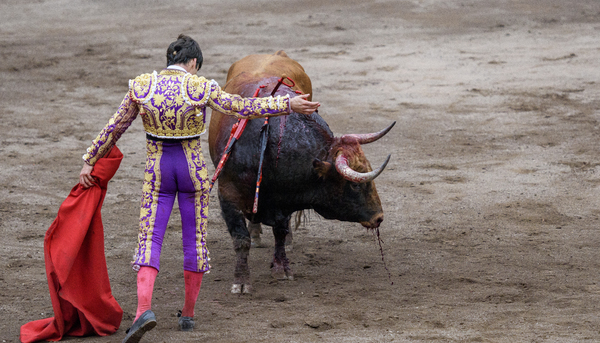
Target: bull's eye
[[355, 186]]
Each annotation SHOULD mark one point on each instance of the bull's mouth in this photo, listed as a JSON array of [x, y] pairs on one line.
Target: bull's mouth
[[374, 222], [368, 225]]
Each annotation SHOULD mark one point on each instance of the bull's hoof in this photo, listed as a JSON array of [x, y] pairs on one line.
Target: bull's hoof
[[238, 288], [257, 243], [279, 272]]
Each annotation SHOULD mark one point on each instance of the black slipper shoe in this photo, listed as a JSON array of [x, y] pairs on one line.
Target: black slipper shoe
[[145, 323]]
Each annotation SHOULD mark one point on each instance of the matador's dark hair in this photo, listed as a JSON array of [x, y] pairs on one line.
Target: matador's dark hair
[[183, 50]]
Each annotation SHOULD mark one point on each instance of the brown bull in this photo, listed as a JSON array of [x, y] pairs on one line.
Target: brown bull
[[305, 166]]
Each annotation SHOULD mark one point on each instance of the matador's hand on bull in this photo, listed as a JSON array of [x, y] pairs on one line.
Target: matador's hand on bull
[[299, 104]]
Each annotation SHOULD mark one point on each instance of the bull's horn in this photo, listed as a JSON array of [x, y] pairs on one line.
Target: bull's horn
[[365, 138], [341, 164]]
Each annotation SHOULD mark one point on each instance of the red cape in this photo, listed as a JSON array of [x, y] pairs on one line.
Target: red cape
[[76, 265]]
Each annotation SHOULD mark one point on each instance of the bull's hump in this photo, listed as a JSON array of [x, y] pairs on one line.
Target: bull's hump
[[273, 65], [263, 65], [281, 53], [253, 69]]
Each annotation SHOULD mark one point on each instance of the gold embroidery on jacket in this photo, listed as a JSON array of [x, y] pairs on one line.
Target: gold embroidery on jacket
[[164, 110]]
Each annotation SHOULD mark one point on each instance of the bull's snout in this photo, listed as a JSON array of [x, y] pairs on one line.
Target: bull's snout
[[374, 222], [377, 220]]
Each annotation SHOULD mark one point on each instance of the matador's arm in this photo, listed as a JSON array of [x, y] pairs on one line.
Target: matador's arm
[[203, 92], [118, 123]]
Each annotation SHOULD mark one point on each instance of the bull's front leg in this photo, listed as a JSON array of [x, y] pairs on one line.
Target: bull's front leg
[[280, 268], [241, 244]]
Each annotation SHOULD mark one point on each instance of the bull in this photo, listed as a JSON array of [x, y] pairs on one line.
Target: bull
[[305, 166]]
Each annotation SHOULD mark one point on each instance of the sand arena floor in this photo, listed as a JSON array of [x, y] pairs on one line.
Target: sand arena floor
[[491, 197]]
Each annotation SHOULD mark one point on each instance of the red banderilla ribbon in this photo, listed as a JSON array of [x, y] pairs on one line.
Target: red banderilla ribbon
[[264, 134], [236, 131]]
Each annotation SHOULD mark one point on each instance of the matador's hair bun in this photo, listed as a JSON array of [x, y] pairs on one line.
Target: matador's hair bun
[[183, 50]]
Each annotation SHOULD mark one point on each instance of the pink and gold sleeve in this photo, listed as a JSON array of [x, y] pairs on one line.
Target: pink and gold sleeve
[[117, 125]]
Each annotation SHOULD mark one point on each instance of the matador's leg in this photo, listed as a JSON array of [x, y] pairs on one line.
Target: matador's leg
[[158, 197], [193, 207]]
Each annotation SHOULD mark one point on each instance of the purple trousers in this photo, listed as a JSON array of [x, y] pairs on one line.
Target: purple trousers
[[174, 169]]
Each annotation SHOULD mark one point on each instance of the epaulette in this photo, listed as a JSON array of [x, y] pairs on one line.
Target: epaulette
[[142, 88], [196, 89]]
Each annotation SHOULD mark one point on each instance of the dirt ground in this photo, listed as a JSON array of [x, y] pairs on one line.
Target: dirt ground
[[491, 227]]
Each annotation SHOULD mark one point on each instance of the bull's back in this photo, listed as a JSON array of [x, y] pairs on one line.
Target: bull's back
[[243, 78], [253, 68]]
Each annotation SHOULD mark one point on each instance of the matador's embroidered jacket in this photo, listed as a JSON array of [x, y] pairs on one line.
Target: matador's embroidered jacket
[[173, 104]]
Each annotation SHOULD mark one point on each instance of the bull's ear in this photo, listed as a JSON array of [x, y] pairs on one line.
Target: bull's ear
[[321, 167]]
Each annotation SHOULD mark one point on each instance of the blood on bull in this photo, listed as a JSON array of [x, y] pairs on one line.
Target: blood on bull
[[304, 166]]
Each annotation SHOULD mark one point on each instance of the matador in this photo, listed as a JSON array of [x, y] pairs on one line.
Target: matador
[[172, 104]]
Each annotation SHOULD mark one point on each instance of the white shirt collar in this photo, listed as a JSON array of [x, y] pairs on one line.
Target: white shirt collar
[[177, 68]]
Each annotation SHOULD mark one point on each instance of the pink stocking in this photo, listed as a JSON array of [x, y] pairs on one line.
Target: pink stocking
[[145, 286], [193, 281]]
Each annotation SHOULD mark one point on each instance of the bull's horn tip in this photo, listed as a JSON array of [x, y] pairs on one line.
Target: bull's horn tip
[[386, 161]]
